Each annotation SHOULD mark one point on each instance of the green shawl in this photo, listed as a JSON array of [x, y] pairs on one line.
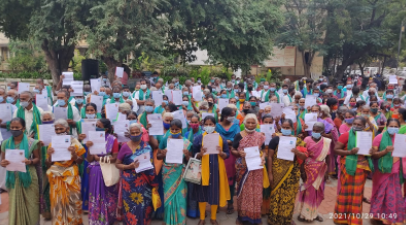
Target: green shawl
[[267, 96], [25, 178], [402, 129], [113, 100], [298, 126], [49, 92], [159, 109], [386, 161], [232, 95], [189, 107], [352, 160], [36, 120], [141, 95], [143, 119]]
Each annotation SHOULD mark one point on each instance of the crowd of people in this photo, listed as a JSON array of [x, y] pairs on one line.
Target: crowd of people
[[62, 191]]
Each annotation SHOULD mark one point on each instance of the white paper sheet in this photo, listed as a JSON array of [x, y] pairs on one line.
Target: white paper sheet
[[268, 130], [120, 128], [253, 158], [207, 114], [61, 143], [364, 142], [289, 114], [168, 93], [5, 112], [223, 102], [95, 85], [157, 126], [310, 101], [111, 111], [157, 96], [211, 141], [393, 79], [88, 125], [264, 105], [177, 97], [399, 146], [286, 144], [349, 92], [120, 71], [276, 109], [77, 87], [68, 78], [98, 101], [41, 101], [179, 115], [175, 151], [46, 131], [60, 113], [99, 142], [310, 120], [16, 158], [197, 93], [23, 87], [145, 162], [256, 94]]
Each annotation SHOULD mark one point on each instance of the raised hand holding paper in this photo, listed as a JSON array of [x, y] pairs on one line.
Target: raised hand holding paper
[[175, 151], [253, 158], [68, 78], [111, 111], [61, 143], [120, 71], [46, 131], [157, 126], [286, 144], [399, 146], [364, 142], [16, 158], [99, 142], [210, 142], [145, 162], [310, 120], [98, 101], [23, 87]]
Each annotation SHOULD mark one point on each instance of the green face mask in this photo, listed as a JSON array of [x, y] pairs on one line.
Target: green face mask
[[374, 110], [253, 104]]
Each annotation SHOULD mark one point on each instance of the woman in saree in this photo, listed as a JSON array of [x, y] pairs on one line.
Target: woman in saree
[[284, 178], [388, 178], [64, 181], [23, 187], [299, 126], [331, 158], [378, 116], [315, 167], [102, 199], [214, 188], [249, 200], [229, 130], [354, 170], [137, 187], [175, 188], [348, 119]]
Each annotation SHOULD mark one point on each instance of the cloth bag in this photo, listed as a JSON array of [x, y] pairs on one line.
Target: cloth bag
[[193, 171], [111, 175]]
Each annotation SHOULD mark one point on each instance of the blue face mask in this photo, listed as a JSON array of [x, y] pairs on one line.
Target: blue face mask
[[286, 132], [389, 96], [349, 120], [316, 135], [223, 96], [316, 94], [102, 93], [149, 108], [79, 101], [285, 91], [10, 99], [236, 90], [318, 87], [166, 102], [61, 102], [1, 99], [176, 135], [35, 90], [349, 85], [105, 79], [126, 94], [185, 103], [90, 116], [272, 89], [393, 130], [167, 125], [99, 129], [185, 93], [116, 95], [133, 121], [24, 104], [48, 122]]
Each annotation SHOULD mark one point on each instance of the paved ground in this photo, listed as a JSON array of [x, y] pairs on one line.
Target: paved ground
[[326, 210]]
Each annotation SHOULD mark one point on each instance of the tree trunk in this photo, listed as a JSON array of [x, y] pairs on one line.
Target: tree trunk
[[383, 65], [307, 65], [111, 67]]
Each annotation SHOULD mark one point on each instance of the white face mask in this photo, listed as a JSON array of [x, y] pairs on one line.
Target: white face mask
[[143, 86], [209, 130]]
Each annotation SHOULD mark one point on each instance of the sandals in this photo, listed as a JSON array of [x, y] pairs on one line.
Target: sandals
[[230, 209], [319, 218], [201, 222], [366, 200], [214, 222]]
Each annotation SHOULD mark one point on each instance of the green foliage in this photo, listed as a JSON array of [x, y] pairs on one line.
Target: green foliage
[[76, 63], [26, 75], [26, 57]]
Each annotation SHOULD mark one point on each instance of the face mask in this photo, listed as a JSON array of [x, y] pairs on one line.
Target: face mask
[[61, 102], [236, 90], [194, 125], [230, 119], [79, 101], [212, 81], [272, 89], [364, 115], [167, 125], [245, 111], [354, 128], [143, 86], [285, 91], [340, 87], [99, 129], [253, 104], [8, 88], [105, 79], [133, 121], [396, 105], [389, 96], [286, 132], [90, 116], [249, 131], [48, 122], [1, 99], [316, 95], [349, 86], [63, 133], [185, 103], [374, 110], [266, 87], [149, 108], [210, 104], [126, 94], [116, 95], [10, 99], [223, 96], [209, 130], [176, 83], [175, 135], [36, 91], [24, 104], [353, 104], [393, 130], [249, 88], [136, 138], [349, 120], [185, 93], [106, 96], [318, 87], [16, 133], [316, 135], [102, 93], [242, 100]]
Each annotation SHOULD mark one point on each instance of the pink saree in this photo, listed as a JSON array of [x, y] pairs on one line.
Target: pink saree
[[332, 158], [312, 190]]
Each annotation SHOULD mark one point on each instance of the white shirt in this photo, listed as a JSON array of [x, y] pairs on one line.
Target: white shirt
[[366, 95], [286, 100], [28, 118]]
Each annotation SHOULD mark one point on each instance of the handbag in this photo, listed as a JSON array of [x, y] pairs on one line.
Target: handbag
[[193, 171], [111, 175]]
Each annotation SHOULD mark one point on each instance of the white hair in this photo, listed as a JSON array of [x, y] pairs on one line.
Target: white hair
[[47, 113], [325, 109], [152, 89], [298, 93], [62, 122], [124, 107], [251, 116], [232, 106], [167, 114], [137, 125]]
